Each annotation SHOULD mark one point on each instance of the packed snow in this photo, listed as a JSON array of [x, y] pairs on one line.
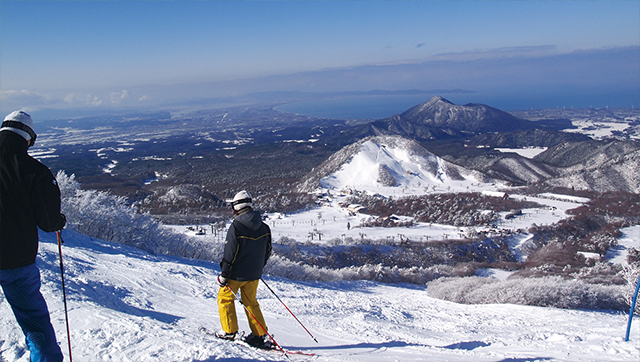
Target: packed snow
[[128, 305]]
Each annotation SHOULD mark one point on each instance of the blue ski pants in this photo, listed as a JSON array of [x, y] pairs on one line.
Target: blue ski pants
[[21, 287]]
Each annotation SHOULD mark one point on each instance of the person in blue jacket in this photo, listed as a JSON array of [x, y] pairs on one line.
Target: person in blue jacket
[[29, 198], [246, 252]]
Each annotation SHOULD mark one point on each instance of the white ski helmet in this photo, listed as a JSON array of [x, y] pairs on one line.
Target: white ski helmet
[[241, 200], [21, 123]]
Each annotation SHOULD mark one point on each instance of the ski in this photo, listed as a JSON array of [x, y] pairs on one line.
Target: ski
[[240, 342]]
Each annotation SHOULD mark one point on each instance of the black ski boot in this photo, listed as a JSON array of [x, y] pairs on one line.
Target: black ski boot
[[262, 342], [227, 336]]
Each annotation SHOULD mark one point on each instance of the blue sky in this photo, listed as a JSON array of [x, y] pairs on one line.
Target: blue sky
[[66, 54]]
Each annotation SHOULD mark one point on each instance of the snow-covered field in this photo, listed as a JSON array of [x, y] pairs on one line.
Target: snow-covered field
[[127, 305], [330, 222], [604, 128]]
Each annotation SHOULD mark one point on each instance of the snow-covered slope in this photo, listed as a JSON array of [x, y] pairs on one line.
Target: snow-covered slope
[[128, 305], [385, 164], [619, 172]]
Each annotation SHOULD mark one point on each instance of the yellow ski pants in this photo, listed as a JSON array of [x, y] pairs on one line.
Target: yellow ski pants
[[227, 307]]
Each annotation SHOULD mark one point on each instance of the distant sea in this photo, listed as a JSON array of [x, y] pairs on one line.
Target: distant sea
[[383, 106], [356, 107]]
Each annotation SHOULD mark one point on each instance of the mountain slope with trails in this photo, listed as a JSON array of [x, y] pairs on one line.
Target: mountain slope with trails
[[384, 163]]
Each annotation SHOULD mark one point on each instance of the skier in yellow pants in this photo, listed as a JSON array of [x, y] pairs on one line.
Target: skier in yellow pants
[[227, 307], [246, 252]]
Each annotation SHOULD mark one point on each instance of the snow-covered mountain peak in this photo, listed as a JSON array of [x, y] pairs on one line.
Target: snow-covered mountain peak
[[384, 164], [387, 161], [436, 103], [435, 100]]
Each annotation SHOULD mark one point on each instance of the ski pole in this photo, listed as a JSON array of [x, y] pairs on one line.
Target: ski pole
[[64, 293], [294, 316], [256, 320], [632, 311]]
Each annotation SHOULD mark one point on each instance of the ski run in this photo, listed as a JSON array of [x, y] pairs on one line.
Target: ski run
[[128, 305]]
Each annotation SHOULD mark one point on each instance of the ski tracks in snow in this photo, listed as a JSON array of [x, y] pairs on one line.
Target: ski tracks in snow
[[128, 305]]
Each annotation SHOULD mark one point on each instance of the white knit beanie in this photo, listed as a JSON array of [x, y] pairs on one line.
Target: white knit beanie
[[241, 200], [19, 122]]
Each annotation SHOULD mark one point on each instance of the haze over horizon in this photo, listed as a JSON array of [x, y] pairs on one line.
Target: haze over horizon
[[101, 55]]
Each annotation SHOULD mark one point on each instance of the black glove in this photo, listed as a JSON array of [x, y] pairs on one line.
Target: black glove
[[64, 221], [222, 281]]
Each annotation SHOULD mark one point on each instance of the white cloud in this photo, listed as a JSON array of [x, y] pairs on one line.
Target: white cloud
[[507, 52], [82, 99], [118, 97], [70, 98], [12, 95], [24, 99], [96, 101], [34, 100]]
